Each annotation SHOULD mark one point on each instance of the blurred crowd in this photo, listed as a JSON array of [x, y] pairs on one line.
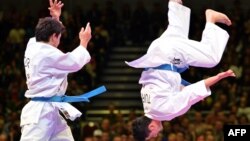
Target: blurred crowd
[[228, 104]]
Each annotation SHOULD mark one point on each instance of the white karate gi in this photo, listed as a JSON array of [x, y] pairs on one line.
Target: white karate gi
[[46, 70], [161, 94]]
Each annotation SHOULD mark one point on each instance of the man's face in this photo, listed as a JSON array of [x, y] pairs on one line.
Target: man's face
[[155, 127]]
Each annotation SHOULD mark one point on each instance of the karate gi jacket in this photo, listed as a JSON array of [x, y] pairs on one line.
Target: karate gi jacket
[[46, 69], [162, 96]]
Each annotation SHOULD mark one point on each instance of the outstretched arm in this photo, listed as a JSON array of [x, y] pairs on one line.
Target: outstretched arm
[[55, 9], [210, 81]]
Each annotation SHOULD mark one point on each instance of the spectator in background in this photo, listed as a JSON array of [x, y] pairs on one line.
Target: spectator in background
[[16, 37], [243, 108]]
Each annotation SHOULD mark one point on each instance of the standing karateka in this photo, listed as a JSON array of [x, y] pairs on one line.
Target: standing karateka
[[46, 70], [163, 93]]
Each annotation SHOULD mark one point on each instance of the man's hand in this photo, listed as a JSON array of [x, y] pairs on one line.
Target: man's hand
[[226, 74], [55, 9], [85, 35]]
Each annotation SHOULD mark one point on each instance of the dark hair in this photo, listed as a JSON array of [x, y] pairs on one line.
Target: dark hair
[[46, 27], [140, 128]]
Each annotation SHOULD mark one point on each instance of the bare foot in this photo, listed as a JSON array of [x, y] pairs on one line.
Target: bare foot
[[226, 74], [214, 17], [178, 1]]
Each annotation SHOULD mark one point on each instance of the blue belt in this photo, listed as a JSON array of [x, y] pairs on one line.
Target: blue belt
[[80, 98], [172, 68]]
